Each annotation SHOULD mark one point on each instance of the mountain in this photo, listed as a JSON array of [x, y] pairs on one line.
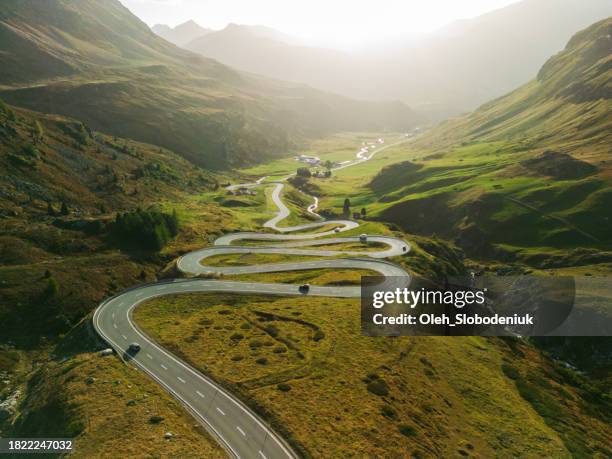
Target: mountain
[[472, 61], [95, 61], [60, 188], [182, 33], [524, 177], [446, 73], [267, 52], [51, 158]]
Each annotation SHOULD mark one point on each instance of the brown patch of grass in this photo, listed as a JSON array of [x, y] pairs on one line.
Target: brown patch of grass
[[325, 403], [109, 406]]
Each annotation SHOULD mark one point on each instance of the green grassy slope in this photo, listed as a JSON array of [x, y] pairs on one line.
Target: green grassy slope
[[526, 174], [97, 62]]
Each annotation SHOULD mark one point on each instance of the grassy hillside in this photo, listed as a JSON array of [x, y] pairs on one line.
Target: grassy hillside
[[527, 175], [61, 187], [103, 402], [303, 364], [95, 61]]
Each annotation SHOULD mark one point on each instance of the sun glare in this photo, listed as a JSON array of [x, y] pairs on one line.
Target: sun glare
[[340, 22]]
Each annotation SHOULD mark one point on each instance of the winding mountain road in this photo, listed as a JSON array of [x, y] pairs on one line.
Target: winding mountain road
[[237, 428]]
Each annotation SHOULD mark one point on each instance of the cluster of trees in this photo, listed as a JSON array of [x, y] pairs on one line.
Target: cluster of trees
[[304, 172], [346, 209], [147, 229]]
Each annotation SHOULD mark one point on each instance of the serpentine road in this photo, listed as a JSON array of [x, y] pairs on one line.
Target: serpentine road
[[237, 428]]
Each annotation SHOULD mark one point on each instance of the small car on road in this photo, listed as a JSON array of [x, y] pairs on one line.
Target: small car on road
[[304, 288], [134, 348]]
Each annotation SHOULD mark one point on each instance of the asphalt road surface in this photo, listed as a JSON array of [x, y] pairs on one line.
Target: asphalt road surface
[[238, 429]]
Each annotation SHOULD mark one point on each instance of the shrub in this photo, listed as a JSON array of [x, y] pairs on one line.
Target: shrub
[[74, 428], [30, 150], [271, 330], [378, 387], [318, 335], [406, 430], [236, 337], [510, 372], [283, 387], [156, 419], [388, 411], [262, 361]]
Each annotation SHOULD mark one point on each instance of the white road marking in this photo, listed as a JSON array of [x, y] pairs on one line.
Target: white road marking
[[150, 356], [181, 379], [164, 366], [113, 315], [229, 286], [115, 325], [124, 337]]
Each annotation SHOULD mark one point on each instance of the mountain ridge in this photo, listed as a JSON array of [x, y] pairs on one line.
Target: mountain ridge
[[97, 62], [447, 73], [525, 176], [182, 33]]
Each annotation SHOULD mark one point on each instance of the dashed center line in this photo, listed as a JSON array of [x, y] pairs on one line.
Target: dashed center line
[[124, 337], [200, 393], [164, 366], [181, 379], [262, 455], [241, 431], [220, 411], [150, 356], [115, 325]]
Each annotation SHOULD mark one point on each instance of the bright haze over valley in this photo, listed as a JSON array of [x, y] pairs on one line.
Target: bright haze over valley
[[441, 58]]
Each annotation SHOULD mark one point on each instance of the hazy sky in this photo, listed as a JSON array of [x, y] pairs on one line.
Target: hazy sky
[[336, 22]]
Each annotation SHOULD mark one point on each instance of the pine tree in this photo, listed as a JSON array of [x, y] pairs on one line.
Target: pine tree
[[347, 206], [64, 210]]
